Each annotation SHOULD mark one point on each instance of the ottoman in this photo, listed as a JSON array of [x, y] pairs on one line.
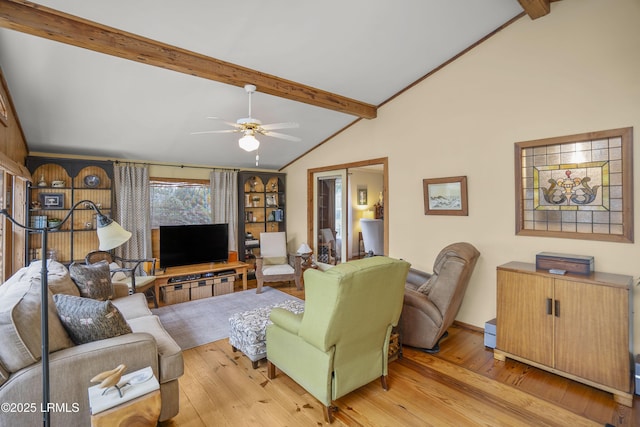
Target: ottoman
[[247, 329]]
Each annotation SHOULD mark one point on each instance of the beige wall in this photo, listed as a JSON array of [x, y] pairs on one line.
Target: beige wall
[[573, 71]]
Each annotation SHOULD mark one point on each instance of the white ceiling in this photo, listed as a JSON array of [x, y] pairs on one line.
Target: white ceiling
[[75, 101]]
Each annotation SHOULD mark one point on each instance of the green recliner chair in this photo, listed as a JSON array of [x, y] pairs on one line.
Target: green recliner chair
[[341, 340]]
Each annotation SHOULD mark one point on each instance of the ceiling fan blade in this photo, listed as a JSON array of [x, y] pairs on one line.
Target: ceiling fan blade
[[216, 131], [282, 136], [287, 125], [235, 125]]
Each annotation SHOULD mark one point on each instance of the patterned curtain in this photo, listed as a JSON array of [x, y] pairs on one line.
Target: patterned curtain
[[133, 209], [224, 202]]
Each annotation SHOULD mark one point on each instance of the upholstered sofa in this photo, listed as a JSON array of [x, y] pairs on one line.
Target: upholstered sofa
[[72, 366]]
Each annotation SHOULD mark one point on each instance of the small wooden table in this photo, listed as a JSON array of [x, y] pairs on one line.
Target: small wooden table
[[142, 411], [198, 269]]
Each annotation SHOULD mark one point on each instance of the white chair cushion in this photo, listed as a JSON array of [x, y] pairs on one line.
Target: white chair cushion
[[272, 270]]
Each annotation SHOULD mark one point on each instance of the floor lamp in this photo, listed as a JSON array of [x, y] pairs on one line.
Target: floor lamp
[[110, 235]]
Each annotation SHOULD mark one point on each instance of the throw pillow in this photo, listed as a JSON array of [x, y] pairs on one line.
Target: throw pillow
[[88, 320], [93, 280], [20, 324], [58, 277], [276, 260]]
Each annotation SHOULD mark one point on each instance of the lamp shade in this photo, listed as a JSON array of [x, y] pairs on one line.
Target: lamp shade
[[111, 235], [249, 142], [304, 249]]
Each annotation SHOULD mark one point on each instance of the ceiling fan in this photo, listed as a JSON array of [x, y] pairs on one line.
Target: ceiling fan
[[250, 126]]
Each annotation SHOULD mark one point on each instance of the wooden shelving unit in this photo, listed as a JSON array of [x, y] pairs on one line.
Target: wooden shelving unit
[[77, 236], [261, 208]]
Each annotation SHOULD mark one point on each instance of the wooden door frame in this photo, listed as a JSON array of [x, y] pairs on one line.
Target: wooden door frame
[[384, 161]]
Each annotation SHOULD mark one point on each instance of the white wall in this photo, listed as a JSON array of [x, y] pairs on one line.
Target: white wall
[[573, 71]]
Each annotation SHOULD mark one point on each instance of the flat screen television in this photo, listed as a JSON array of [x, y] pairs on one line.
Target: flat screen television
[[193, 244]]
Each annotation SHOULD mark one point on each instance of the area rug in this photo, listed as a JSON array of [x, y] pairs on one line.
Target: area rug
[[206, 320]]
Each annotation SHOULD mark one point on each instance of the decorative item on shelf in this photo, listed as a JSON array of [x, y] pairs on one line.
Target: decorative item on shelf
[[57, 184], [305, 253], [52, 200], [110, 236], [91, 181], [42, 182], [54, 223], [52, 254], [271, 200], [278, 215], [88, 225], [271, 217], [35, 204]]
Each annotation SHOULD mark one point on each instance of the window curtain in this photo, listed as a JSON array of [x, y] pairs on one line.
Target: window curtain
[[133, 209], [224, 202]]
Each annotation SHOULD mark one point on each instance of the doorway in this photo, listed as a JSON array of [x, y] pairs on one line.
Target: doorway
[[334, 209]]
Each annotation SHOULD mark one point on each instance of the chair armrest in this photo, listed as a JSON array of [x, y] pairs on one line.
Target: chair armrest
[[286, 319]]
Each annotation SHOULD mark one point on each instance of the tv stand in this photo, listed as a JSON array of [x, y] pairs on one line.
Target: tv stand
[[188, 273]]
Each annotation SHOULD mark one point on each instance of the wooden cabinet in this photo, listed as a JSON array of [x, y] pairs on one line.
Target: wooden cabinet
[[261, 207], [576, 326], [59, 184]]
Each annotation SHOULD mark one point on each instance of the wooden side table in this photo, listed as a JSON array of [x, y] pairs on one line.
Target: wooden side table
[[138, 405], [139, 412]]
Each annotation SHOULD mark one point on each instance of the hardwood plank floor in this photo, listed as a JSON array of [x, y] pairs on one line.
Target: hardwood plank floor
[[462, 385]]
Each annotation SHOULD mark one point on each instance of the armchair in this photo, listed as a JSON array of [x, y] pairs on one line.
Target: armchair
[[273, 263], [341, 341], [129, 271], [432, 301]]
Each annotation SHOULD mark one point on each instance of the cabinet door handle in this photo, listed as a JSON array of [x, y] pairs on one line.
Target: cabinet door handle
[[557, 308], [549, 306]]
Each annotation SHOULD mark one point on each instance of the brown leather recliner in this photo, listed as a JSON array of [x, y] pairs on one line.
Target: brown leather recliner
[[432, 301]]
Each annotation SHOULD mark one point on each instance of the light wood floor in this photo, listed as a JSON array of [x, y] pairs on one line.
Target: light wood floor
[[460, 386]]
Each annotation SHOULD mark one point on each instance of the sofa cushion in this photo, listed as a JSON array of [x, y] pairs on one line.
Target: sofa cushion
[[93, 280], [132, 306], [170, 361], [20, 324], [58, 277], [89, 320], [274, 260], [4, 375]]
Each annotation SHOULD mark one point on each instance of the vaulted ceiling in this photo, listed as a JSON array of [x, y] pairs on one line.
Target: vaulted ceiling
[[133, 80]]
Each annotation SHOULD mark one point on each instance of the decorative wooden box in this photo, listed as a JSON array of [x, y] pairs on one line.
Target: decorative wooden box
[[579, 264], [201, 289], [172, 294], [223, 284]]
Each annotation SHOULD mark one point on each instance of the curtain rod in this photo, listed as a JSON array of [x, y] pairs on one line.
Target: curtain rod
[[175, 166]]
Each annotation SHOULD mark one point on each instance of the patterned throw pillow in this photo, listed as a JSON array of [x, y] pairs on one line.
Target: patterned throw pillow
[[93, 280], [88, 320]]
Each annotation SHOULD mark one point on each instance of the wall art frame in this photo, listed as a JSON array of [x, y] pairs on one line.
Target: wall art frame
[[52, 200], [445, 196], [576, 186]]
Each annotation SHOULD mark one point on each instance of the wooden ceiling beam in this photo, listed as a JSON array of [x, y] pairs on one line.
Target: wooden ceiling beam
[[41, 21], [536, 8]]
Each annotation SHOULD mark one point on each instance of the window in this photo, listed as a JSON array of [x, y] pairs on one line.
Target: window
[[176, 202]]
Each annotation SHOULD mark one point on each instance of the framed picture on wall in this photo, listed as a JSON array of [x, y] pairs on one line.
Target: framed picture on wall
[[445, 196], [52, 200], [576, 186]]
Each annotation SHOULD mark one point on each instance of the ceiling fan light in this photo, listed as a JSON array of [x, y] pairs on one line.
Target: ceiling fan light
[[249, 143]]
